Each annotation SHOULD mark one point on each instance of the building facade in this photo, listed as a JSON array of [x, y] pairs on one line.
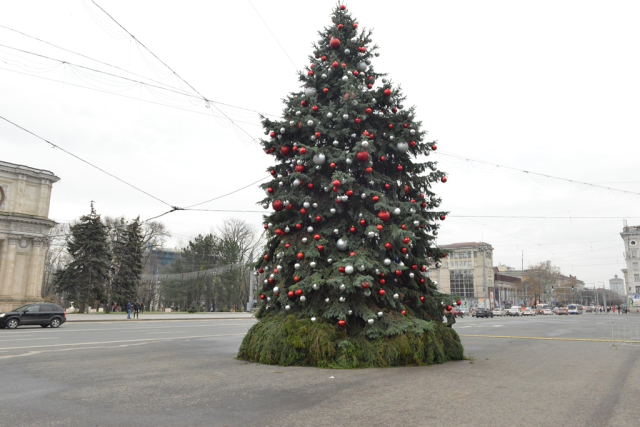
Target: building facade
[[468, 273], [617, 285], [631, 238], [25, 194]]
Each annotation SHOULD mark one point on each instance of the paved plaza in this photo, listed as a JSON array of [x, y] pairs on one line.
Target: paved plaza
[[551, 370]]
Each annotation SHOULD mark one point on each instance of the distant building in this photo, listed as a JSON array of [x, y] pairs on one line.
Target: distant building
[[25, 194], [163, 256], [463, 273], [617, 285], [631, 238]]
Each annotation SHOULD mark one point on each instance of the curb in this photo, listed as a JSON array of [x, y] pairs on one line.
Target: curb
[[546, 338], [155, 320]]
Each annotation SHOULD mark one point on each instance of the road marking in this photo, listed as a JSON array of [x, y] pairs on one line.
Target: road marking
[[124, 341], [125, 330], [35, 352], [30, 339], [548, 338]]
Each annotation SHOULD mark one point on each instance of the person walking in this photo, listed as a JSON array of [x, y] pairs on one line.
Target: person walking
[[136, 310], [451, 319], [129, 310]]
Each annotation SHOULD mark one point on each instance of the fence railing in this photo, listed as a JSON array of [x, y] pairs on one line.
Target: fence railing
[[625, 334]]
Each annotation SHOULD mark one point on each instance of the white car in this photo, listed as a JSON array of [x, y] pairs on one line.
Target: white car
[[529, 312], [497, 312], [547, 311], [514, 311]]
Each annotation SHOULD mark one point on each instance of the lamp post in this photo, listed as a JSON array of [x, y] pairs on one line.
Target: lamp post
[[483, 249]]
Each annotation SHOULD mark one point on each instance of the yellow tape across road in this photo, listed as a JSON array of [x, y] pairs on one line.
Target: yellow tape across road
[[548, 338]]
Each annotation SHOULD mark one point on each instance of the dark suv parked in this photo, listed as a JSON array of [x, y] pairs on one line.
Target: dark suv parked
[[45, 314], [483, 312]]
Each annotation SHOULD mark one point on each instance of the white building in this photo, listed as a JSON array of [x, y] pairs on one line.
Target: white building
[[463, 273], [631, 238], [617, 285], [24, 227]]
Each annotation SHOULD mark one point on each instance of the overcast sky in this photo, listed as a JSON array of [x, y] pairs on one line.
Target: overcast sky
[[546, 86]]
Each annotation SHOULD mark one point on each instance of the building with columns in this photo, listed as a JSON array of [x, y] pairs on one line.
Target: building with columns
[[25, 193], [631, 237]]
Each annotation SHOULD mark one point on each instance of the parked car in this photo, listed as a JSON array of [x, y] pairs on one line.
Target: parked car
[[547, 311], [497, 312], [483, 312], [563, 310], [514, 311], [529, 312], [34, 314], [457, 313], [555, 310], [574, 309]]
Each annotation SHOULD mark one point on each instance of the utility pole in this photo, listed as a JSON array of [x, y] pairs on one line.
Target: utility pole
[[484, 274]]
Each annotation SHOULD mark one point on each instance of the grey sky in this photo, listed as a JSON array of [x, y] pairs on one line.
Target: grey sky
[[550, 87]]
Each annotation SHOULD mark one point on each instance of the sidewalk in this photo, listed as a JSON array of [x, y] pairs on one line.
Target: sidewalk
[[122, 316]]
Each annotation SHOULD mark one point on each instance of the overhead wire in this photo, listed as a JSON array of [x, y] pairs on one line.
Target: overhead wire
[[121, 95], [530, 173], [174, 73], [87, 162], [273, 35]]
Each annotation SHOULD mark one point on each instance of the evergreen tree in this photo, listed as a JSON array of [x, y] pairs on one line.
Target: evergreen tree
[[85, 278], [353, 232], [127, 254]]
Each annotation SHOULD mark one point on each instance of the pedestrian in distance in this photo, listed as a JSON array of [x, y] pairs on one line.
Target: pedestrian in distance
[[136, 310], [129, 310], [451, 319]]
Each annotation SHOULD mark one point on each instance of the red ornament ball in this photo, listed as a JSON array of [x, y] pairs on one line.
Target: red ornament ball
[[421, 299], [368, 111], [296, 279], [262, 296], [316, 237], [449, 308], [342, 323], [342, 7], [287, 246], [398, 273], [300, 255], [285, 151], [325, 90], [318, 218], [334, 43], [303, 150], [340, 26], [320, 248], [388, 246], [353, 230], [277, 205], [298, 292], [314, 108], [379, 227], [362, 156], [384, 216], [434, 147], [400, 168], [442, 217], [332, 165], [443, 179], [458, 303], [404, 313], [406, 240], [363, 222], [368, 170], [381, 292], [387, 92], [336, 183], [291, 294], [349, 193]]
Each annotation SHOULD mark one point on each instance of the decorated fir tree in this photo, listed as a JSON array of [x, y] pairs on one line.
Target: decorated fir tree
[[351, 236]]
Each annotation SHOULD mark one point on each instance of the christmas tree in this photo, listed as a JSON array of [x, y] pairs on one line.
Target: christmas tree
[[343, 272], [127, 262]]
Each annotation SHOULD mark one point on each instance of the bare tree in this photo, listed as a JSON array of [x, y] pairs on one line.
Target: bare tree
[[56, 257]]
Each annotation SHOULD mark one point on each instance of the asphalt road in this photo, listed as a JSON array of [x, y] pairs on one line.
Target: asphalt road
[[169, 373]]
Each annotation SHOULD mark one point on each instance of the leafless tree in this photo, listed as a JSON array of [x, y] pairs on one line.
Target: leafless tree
[[56, 257]]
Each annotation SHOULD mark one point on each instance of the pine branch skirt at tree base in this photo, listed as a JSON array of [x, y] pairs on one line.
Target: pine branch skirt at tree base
[[286, 340]]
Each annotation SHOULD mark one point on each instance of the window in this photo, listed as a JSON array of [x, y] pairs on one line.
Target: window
[[637, 289], [635, 265], [636, 277], [634, 253], [461, 283], [33, 309], [475, 254]]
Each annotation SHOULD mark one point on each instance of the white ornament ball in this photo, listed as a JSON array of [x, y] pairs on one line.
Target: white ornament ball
[[345, 78], [336, 231], [319, 159], [385, 80], [307, 205], [327, 300], [345, 116], [387, 261], [303, 298], [363, 196], [266, 205], [361, 268], [310, 123], [287, 229], [362, 66], [329, 261], [315, 205], [402, 147], [309, 229], [296, 183], [396, 211], [332, 210], [348, 269], [313, 319], [343, 287], [310, 91], [342, 299], [342, 245], [282, 130], [396, 296], [336, 143], [296, 266], [287, 307], [315, 286], [370, 321], [380, 314], [411, 275], [312, 264], [347, 52], [350, 312], [329, 115], [276, 289], [304, 240], [365, 144], [348, 161], [298, 113]]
